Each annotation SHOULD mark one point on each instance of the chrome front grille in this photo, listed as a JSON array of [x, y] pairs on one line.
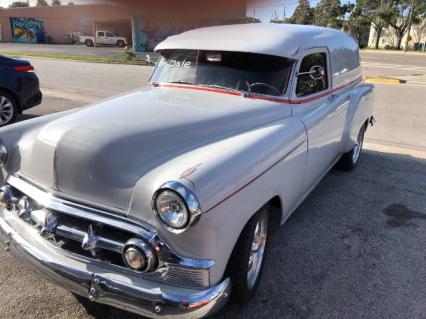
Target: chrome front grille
[[102, 236]]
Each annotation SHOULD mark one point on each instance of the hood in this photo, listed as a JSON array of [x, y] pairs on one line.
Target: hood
[[98, 154]]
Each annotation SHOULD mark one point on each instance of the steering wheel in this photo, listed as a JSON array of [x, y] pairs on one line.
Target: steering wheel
[[250, 86]]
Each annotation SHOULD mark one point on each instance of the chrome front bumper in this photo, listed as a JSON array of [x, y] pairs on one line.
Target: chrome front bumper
[[104, 284]]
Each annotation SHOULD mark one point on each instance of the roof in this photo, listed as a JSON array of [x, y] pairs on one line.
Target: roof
[[285, 40]]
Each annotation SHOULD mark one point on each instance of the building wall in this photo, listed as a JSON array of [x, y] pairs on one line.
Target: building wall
[[153, 21], [60, 20], [147, 22]]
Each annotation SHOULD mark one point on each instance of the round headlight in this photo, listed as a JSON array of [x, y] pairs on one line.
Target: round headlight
[[3, 153], [172, 209]]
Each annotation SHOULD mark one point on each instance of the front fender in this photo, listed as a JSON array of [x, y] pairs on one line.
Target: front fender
[[232, 179]]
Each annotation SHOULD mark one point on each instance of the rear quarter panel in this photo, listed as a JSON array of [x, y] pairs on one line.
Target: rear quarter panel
[[360, 109]]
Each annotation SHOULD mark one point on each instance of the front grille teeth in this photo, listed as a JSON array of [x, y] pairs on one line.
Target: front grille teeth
[[89, 240]]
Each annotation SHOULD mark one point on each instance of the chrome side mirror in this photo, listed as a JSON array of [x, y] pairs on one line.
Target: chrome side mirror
[[316, 72], [148, 60]]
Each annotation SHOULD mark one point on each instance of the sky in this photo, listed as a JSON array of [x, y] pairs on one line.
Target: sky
[[266, 9], [6, 3]]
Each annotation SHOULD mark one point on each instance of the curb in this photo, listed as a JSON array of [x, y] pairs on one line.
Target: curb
[[382, 79]]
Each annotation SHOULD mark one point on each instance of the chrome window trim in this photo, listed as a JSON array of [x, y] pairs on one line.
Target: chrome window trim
[[306, 53]]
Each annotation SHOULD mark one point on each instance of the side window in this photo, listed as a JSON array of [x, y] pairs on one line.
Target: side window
[[101, 34], [312, 76], [109, 35]]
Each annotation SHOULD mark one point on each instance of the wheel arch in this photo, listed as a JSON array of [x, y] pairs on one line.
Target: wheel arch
[[14, 96], [274, 207]]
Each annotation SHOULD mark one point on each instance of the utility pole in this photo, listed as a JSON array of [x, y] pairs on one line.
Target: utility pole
[[410, 18]]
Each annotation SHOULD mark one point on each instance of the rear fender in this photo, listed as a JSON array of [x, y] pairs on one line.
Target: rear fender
[[360, 110]]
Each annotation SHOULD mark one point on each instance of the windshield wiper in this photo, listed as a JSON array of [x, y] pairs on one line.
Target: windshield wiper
[[183, 82], [215, 86]]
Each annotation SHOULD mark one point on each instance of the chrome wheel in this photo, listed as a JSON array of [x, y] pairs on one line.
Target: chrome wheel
[[358, 147], [257, 250], [6, 110]]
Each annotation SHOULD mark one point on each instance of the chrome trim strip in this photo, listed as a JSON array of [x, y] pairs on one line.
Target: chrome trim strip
[[80, 236], [131, 293], [50, 202]]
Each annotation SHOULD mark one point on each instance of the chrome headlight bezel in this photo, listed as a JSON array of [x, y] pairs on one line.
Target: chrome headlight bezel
[[191, 202], [3, 153]]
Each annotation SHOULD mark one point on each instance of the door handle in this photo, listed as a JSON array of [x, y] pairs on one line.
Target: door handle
[[332, 97]]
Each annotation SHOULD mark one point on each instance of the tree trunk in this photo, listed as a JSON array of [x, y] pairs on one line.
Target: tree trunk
[[398, 47], [378, 34]]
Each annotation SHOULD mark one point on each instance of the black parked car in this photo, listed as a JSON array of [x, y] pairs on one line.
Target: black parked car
[[19, 88]]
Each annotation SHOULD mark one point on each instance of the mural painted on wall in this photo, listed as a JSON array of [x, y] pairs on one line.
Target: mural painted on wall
[[151, 32], [27, 30], [157, 32]]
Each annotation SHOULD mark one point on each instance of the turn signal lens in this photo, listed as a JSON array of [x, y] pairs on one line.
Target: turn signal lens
[[134, 258]]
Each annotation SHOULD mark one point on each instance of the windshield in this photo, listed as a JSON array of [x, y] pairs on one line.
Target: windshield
[[249, 72]]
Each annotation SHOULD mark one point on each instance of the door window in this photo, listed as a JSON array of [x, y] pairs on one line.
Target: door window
[[312, 76], [101, 34], [109, 35]]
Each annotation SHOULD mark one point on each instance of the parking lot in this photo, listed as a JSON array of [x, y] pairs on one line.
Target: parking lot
[[354, 249]]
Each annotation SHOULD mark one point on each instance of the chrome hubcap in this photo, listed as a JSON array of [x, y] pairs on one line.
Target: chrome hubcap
[[6, 110], [257, 250], [358, 147]]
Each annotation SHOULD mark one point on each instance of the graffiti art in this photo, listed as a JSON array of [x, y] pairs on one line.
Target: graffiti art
[[27, 30]]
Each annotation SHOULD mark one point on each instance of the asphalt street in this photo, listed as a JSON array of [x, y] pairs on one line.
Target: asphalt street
[[353, 249]]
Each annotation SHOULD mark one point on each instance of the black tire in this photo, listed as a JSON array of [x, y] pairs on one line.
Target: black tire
[[238, 267], [7, 100], [120, 43], [349, 160], [89, 43]]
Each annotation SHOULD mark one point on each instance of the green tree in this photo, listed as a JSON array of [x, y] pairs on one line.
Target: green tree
[[42, 3], [56, 3], [250, 20], [358, 24], [397, 15], [19, 4], [303, 14], [331, 13], [372, 11]]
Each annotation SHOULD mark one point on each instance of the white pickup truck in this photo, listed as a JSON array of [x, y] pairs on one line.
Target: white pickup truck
[[103, 38]]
